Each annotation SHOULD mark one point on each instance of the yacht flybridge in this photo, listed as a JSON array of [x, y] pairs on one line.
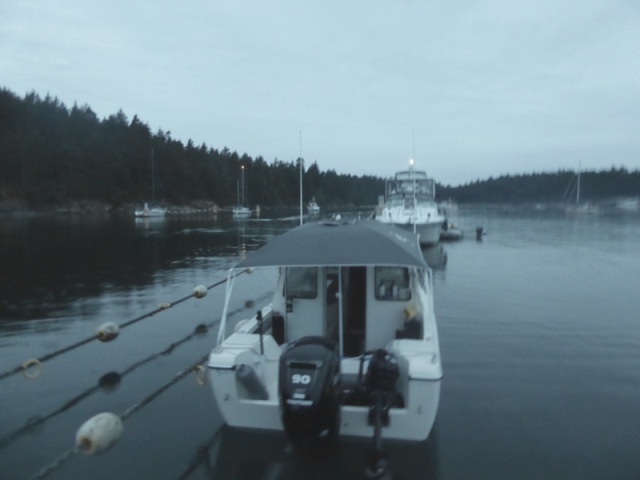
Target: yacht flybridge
[[348, 345]]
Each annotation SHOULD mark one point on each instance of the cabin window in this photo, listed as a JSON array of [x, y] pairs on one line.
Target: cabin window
[[392, 283], [408, 202], [302, 282]]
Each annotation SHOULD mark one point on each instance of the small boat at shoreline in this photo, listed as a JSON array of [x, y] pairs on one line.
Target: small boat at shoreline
[[450, 232], [577, 208], [153, 211], [312, 207], [241, 211], [148, 211], [348, 346], [631, 204]]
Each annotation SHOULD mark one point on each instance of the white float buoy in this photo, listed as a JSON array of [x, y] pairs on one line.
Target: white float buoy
[[32, 368], [107, 331], [99, 433], [201, 375], [200, 291]]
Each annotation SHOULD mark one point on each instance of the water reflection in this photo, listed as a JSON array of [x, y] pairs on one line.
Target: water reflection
[[242, 239], [243, 454], [151, 225], [48, 263]]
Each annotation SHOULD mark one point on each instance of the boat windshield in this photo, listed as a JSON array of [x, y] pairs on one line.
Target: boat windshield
[[402, 192], [422, 188], [392, 283]]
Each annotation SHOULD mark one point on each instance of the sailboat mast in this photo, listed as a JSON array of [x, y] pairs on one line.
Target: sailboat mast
[[415, 197], [242, 185], [153, 178], [578, 189], [300, 160]]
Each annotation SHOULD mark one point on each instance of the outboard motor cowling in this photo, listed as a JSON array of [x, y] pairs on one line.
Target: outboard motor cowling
[[309, 386]]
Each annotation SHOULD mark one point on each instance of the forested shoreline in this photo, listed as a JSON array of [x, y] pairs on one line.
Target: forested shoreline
[[52, 155]]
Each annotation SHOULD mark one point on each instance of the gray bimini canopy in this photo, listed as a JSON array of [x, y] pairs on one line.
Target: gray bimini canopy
[[362, 243]]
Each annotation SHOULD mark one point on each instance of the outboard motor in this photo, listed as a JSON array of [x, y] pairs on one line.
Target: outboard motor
[[380, 383], [309, 386], [383, 373]]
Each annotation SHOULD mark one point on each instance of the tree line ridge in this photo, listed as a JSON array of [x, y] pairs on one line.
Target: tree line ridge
[[52, 155]]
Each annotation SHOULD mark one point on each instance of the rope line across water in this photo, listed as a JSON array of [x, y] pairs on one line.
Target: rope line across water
[[66, 456], [73, 346], [32, 423]]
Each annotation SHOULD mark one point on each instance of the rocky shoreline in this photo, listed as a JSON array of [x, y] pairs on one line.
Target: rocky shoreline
[[91, 207]]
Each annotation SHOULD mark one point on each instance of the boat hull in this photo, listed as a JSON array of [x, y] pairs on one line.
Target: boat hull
[[404, 424], [147, 211], [152, 212], [428, 232], [241, 212], [420, 374]]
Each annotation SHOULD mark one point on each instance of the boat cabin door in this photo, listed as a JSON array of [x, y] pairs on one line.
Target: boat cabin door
[[345, 308], [332, 304], [319, 301]]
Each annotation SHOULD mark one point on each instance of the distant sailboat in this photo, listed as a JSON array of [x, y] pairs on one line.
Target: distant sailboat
[[577, 207], [241, 210], [153, 210]]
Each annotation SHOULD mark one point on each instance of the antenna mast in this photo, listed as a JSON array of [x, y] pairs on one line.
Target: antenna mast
[[300, 160], [413, 155]]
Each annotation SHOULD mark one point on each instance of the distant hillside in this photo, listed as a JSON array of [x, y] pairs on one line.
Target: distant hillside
[[53, 155], [547, 187]]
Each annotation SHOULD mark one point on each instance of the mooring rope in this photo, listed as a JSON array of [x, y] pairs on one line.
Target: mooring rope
[[66, 456], [201, 456], [8, 439], [73, 346], [78, 398], [56, 464]]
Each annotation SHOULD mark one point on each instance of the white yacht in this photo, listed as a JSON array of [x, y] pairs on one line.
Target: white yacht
[[410, 204]]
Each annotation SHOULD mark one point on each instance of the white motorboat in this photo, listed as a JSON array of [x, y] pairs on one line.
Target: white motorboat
[[348, 345], [148, 211], [410, 204], [312, 207], [241, 211], [629, 204]]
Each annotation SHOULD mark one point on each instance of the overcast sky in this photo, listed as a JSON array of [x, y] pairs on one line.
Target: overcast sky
[[472, 89]]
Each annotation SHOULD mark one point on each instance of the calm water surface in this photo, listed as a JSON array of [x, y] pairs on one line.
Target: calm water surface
[[539, 331]]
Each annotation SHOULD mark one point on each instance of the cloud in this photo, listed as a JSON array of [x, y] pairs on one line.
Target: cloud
[[488, 87]]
